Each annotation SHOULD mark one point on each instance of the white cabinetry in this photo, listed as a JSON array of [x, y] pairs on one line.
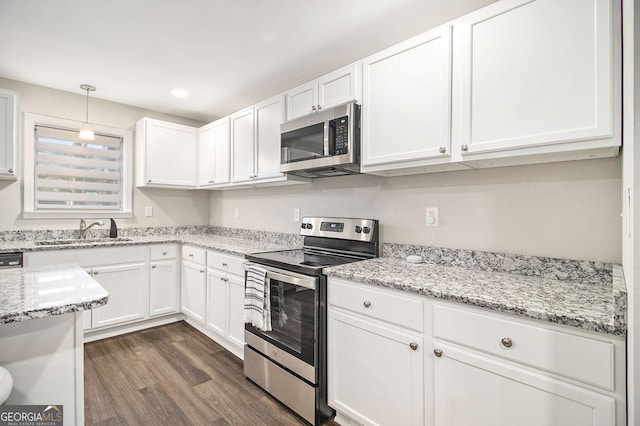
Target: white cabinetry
[[340, 86], [406, 107], [490, 370], [213, 154], [165, 154], [128, 297], [225, 300], [9, 113], [164, 285], [255, 144], [194, 283], [535, 78], [375, 356]]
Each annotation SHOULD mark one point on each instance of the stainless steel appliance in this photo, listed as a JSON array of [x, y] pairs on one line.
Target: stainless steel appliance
[[325, 143], [11, 260], [290, 361]]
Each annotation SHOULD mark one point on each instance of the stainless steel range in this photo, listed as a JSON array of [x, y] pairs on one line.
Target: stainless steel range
[[290, 361]]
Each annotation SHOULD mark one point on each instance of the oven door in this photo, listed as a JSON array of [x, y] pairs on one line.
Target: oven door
[[295, 311]]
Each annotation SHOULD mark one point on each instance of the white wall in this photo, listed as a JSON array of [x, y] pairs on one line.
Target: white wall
[[631, 180], [171, 207], [567, 210]]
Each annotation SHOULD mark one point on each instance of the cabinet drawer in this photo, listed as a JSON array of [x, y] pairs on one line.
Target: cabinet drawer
[[163, 251], [225, 262], [194, 254], [580, 358], [377, 303], [86, 257]]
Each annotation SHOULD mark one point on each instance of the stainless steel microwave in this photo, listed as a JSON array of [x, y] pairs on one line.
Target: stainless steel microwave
[[325, 143]]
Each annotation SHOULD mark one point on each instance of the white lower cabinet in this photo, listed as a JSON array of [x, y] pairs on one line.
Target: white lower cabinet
[[400, 358], [225, 300], [127, 290], [477, 390], [194, 285], [164, 285]]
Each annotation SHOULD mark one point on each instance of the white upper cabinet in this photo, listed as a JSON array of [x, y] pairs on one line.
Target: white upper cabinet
[[8, 134], [213, 154], [337, 87], [242, 141], [406, 107], [268, 115], [166, 154], [536, 77]]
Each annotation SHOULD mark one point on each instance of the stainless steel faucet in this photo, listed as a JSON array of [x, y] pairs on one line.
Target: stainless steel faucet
[[82, 232]]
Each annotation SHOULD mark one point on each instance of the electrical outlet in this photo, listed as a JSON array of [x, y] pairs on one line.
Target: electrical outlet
[[148, 211], [235, 212], [432, 216], [296, 214]]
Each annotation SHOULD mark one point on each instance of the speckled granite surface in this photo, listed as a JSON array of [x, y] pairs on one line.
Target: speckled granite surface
[[231, 241], [597, 307], [32, 293]]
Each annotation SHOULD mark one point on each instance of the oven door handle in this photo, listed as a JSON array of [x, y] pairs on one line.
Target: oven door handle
[[309, 283]]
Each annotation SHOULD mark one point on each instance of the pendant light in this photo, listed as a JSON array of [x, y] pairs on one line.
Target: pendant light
[[86, 131]]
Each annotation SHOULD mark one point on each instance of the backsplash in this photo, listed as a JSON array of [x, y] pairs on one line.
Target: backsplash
[[531, 266]]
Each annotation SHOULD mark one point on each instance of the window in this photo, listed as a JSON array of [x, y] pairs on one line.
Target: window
[[66, 177]]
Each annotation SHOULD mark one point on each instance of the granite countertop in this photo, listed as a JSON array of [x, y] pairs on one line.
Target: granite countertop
[[40, 292], [599, 307]]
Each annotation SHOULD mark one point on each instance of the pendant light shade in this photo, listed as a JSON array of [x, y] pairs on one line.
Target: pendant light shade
[[86, 131]]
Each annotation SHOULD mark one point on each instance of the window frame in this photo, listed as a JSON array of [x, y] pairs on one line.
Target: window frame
[[29, 211]]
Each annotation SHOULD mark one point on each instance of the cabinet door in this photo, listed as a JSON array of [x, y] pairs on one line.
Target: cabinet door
[[476, 390], [213, 153], [194, 282], [235, 309], [217, 301], [535, 73], [302, 100], [128, 297], [8, 134], [340, 86], [406, 100], [163, 287], [170, 153], [269, 115], [242, 146], [375, 376]]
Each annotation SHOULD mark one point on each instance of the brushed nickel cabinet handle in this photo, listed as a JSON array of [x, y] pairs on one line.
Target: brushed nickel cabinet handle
[[464, 148], [95, 272], [413, 346], [507, 342], [367, 304], [10, 170], [191, 255], [313, 107], [153, 266], [437, 352], [443, 150], [224, 264], [319, 107], [164, 253]]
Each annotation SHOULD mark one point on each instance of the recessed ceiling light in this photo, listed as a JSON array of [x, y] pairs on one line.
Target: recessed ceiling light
[[179, 93]]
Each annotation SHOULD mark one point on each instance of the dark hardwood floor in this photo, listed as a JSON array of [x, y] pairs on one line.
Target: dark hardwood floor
[[173, 375]]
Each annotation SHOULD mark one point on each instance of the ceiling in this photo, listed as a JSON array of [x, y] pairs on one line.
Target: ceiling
[[228, 54]]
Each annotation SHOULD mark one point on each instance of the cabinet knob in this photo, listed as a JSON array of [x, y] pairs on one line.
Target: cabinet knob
[[191, 255], [464, 148], [202, 271], [313, 108], [443, 150], [10, 170], [95, 272], [211, 181], [153, 266], [224, 264], [437, 352], [164, 253], [367, 304], [507, 342], [319, 107], [413, 346], [149, 180]]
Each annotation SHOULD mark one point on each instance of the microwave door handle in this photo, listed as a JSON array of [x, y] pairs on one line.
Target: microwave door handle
[[326, 138], [301, 282]]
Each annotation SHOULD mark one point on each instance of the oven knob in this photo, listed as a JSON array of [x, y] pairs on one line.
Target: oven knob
[[366, 229], [303, 226], [358, 229], [309, 226]]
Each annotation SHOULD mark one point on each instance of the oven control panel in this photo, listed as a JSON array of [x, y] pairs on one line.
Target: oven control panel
[[342, 228]]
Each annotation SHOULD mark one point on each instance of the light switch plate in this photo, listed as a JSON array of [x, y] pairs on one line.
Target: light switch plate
[[148, 211]]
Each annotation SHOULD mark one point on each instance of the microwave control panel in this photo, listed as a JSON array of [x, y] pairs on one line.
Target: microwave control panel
[[341, 136]]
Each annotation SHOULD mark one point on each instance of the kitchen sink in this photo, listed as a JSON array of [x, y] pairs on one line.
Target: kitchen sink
[[70, 241]]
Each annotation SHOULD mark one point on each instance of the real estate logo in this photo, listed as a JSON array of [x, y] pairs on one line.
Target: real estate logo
[[31, 415]]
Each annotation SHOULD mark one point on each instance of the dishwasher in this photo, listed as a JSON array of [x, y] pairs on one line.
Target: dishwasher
[[11, 260]]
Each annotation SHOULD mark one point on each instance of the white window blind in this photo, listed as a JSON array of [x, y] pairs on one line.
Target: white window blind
[[73, 174]]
